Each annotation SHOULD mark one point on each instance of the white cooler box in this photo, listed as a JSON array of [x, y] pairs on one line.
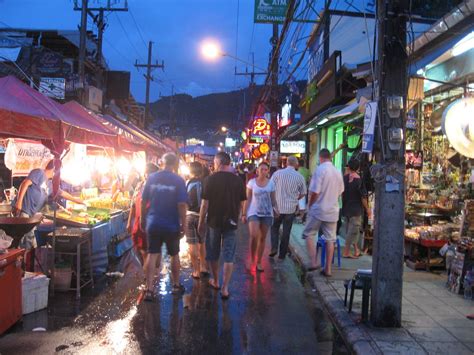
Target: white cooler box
[[35, 292]]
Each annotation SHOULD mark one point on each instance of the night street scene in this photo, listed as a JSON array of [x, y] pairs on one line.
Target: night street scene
[[236, 177]]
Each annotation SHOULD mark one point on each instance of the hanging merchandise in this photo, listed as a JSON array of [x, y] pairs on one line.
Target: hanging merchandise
[[459, 126]]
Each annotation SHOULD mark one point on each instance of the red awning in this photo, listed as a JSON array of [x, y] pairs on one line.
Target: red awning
[[26, 113], [83, 127]]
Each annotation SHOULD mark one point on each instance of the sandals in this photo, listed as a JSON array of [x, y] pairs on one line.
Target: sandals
[[313, 268], [259, 268], [177, 289], [195, 277], [225, 297], [325, 274]]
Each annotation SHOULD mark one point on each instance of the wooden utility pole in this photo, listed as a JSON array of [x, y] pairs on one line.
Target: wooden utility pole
[[252, 74], [391, 84], [149, 67], [82, 43]]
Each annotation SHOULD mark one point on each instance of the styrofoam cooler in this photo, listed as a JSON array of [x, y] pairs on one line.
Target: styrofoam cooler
[[35, 292]]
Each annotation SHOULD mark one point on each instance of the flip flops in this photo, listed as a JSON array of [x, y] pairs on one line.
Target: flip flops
[[212, 285]]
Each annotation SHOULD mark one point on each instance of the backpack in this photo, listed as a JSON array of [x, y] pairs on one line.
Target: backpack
[[194, 189]]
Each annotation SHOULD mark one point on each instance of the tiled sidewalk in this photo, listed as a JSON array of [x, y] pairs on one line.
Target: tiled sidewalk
[[433, 319]]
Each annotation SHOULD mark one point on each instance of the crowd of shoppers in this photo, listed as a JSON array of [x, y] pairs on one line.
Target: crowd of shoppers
[[207, 209]]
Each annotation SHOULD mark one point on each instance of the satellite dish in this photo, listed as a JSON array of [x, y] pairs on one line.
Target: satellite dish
[[458, 125]]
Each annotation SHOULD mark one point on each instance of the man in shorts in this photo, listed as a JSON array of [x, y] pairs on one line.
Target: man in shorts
[[164, 203], [324, 190], [222, 201]]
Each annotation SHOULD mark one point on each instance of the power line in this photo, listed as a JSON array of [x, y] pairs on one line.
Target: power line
[[126, 35], [138, 27]]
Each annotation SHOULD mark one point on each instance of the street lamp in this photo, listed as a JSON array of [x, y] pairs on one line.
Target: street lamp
[[211, 50], [224, 129]]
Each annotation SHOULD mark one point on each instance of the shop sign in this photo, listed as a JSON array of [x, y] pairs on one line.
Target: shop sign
[[369, 127], [316, 54], [53, 87], [270, 11], [22, 156], [274, 158], [48, 62], [264, 148], [194, 141], [230, 142], [292, 147], [260, 128]]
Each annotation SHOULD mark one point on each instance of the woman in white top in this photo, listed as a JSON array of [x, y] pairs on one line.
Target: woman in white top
[[259, 210]]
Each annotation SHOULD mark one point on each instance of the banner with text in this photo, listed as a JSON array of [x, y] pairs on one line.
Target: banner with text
[[22, 156], [369, 127]]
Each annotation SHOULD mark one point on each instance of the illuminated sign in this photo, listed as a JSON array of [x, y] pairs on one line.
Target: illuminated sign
[[260, 128], [264, 148], [292, 147], [229, 142]]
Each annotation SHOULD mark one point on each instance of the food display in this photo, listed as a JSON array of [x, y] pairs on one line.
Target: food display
[[440, 231], [82, 218], [121, 203]]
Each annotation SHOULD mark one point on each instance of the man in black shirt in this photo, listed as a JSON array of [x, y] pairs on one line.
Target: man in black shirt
[[222, 201]]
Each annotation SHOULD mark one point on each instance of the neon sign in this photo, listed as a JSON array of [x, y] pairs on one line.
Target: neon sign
[[260, 128]]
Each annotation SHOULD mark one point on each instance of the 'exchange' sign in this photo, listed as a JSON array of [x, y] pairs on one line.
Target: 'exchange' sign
[[270, 11]]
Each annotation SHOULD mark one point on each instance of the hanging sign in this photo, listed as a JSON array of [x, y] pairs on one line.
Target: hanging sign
[[260, 128], [270, 11], [53, 87], [22, 156], [369, 127]]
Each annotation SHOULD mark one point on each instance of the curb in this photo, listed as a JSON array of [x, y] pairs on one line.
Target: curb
[[356, 338]]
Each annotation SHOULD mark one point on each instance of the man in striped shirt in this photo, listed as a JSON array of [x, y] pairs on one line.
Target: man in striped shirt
[[290, 187]]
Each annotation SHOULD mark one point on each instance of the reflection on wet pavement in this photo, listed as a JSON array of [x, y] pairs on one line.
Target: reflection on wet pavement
[[267, 313]]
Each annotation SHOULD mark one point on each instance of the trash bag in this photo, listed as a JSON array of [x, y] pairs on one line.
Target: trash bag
[[130, 265], [5, 240]]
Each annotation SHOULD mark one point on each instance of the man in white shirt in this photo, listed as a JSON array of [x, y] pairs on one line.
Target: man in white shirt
[[324, 190], [290, 186]]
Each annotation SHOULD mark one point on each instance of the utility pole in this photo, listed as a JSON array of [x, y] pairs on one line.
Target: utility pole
[[82, 44], [252, 74], [391, 79], [274, 96], [149, 67], [99, 21]]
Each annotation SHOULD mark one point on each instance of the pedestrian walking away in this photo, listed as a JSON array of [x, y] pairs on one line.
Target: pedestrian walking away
[[222, 200], [324, 191], [258, 211], [197, 247], [164, 202], [354, 202], [133, 224], [290, 187]]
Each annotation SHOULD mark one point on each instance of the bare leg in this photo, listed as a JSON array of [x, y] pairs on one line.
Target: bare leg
[[261, 244], [215, 273], [329, 255], [202, 257], [175, 269], [150, 264], [193, 253], [312, 251], [228, 268], [254, 236]]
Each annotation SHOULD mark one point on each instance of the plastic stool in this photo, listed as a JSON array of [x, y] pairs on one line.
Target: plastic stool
[[322, 244]]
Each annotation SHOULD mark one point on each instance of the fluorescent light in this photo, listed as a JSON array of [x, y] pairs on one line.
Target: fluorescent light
[[323, 121], [420, 71], [309, 129], [463, 45]]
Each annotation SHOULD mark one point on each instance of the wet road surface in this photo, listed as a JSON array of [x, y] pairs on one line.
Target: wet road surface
[[268, 312]]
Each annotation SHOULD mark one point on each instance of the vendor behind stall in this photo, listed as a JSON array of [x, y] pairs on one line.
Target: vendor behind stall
[[33, 195]]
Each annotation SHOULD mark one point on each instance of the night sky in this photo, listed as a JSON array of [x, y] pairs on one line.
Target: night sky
[[177, 27]]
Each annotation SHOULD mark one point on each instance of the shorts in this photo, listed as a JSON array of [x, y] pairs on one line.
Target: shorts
[[328, 229], [155, 242], [217, 240], [352, 229], [268, 221], [192, 234]]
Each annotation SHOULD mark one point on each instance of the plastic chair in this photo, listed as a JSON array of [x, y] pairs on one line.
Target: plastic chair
[[322, 244]]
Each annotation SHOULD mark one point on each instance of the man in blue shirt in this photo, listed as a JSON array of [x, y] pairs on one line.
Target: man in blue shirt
[[164, 202]]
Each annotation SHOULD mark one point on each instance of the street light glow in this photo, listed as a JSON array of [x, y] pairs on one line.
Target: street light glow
[[210, 50], [224, 129]]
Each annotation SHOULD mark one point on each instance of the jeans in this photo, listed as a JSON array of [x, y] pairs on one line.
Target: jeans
[[287, 220]]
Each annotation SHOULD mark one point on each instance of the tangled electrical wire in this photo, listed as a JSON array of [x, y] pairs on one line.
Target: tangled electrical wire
[[379, 172]]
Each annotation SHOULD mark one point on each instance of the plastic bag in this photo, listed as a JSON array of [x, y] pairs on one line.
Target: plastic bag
[[5, 240]]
